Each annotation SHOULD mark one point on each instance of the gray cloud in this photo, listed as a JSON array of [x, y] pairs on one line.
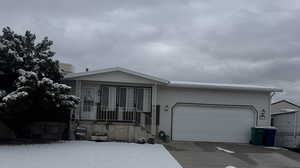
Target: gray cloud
[[234, 41]]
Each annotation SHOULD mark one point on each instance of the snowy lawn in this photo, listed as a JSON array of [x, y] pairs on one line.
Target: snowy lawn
[[85, 154]]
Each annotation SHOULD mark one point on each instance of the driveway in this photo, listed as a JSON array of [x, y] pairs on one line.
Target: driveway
[[221, 155]]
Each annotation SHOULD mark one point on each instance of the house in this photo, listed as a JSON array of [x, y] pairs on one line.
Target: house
[[127, 105], [283, 106], [66, 68], [286, 118]]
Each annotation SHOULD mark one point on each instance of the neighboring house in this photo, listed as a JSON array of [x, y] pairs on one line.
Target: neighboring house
[[286, 118], [66, 68], [283, 106], [128, 105]]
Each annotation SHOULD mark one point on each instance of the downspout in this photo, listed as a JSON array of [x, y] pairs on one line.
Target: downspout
[[270, 105], [272, 94], [295, 125]]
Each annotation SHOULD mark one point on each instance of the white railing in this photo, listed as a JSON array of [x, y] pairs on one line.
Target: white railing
[[126, 114]]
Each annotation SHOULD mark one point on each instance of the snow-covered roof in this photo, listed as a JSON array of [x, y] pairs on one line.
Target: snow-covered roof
[[88, 73], [184, 84], [222, 86]]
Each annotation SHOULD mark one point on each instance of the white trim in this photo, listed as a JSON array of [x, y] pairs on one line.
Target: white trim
[[221, 86], [80, 74], [288, 112]]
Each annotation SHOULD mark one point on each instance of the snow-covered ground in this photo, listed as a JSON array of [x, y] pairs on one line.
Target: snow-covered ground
[[85, 154]]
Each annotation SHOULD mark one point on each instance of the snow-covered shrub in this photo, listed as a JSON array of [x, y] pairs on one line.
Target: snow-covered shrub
[[31, 82]]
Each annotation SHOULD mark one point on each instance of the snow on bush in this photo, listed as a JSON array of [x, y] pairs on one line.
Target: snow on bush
[[61, 87], [13, 96], [45, 81], [28, 74], [1, 46], [28, 71], [2, 93]]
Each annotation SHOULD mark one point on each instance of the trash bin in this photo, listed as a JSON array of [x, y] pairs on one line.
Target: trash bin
[[269, 138], [257, 136]]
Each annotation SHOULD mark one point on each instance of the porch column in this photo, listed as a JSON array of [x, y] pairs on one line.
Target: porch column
[[78, 93], [154, 103]]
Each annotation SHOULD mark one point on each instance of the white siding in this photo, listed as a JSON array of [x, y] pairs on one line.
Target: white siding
[[119, 77], [279, 107], [168, 96]]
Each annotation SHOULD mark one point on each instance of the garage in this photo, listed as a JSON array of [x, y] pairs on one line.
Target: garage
[[215, 123]]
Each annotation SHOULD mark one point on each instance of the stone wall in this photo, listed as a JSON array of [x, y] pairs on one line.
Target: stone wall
[[47, 130], [115, 131]]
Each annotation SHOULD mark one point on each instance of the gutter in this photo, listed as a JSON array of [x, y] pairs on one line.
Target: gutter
[[220, 86], [295, 129]]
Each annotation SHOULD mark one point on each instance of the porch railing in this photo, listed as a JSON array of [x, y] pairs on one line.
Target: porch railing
[[118, 114], [106, 114]]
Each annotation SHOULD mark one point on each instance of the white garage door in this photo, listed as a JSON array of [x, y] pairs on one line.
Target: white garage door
[[215, 124]]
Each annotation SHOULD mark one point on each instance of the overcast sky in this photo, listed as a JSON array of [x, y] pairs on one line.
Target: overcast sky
[[232, 41]]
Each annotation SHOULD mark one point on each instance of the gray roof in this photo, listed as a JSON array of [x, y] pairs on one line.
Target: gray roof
[[184, 84]]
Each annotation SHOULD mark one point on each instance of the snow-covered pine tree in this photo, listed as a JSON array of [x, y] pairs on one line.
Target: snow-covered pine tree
[[30, 80]]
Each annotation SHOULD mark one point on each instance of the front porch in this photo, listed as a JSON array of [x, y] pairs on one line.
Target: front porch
[[121, 111]]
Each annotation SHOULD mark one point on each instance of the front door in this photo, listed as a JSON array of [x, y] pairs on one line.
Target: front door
[[89, 108]]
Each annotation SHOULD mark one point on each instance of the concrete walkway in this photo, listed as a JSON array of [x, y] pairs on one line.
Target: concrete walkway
[[222, 155]]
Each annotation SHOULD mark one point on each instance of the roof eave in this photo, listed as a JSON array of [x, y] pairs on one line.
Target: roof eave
[[73, 76], [226, 87], [289, 112]]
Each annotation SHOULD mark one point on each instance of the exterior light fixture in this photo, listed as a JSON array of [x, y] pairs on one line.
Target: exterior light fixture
[[166, 108], [262, 115]]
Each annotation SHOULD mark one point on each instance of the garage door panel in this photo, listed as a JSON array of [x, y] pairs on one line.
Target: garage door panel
[[195, 123]]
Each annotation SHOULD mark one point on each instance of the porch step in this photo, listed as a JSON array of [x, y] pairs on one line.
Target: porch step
[[99, 138]]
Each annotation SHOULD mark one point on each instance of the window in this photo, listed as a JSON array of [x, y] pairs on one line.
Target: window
[[139, 98], [147, 100], [122, 97], [108, 97], [130, 98], [105, 96]]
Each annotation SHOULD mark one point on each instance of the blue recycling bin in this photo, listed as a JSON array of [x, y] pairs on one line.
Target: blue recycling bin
[[269, 137]]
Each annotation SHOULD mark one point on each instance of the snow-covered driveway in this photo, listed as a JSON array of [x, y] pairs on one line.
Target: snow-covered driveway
[[85, 154]]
